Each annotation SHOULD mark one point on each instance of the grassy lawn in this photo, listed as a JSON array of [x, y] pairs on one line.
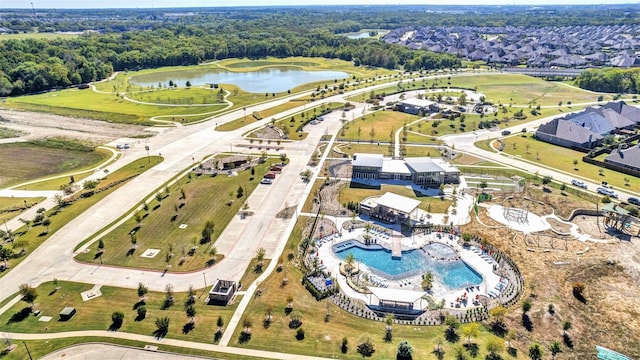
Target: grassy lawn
[[29, 239], [87, 103], [205, 199], [366, 147], [37, 35], [521, 89], [323, 338], [27, 161], [95, 314], [557, 157], [378, 126], [10, 207], [466, 159]]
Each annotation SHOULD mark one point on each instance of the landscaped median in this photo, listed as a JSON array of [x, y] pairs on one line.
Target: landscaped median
[[29, 237], [177, 230]]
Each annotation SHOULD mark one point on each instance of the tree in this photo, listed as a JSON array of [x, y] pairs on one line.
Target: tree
[[191, 312], [46, 222], [100, 246], [495, 346], [575, 164], [483, 185], [555, 349], [239, 192], [117, 317], [535, 351], [470, 330], [188, 84], [162, 327], [405, 351], [29, 294], [427, 280], [141, 313], [366, 348], [349, 260], [526, 305], [260, 253], [207, 231], [220, 322], [142, 291], [566, 325]]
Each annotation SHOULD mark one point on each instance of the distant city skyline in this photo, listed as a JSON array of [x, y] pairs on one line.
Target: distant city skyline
[[92, 4]]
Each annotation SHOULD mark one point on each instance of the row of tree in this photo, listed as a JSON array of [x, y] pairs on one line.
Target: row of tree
[[610, 80]]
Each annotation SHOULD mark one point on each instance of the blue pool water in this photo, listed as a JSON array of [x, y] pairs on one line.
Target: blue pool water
[[453, 274]]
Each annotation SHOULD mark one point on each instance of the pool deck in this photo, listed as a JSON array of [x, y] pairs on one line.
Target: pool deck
[[473, 257]]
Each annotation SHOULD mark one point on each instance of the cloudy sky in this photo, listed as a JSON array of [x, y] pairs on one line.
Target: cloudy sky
[[60, 4]]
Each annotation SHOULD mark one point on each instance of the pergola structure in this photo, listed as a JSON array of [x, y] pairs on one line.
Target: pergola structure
[[401, 302], [392, 208]]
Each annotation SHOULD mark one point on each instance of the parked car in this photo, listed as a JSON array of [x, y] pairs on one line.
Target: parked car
[[579, 184], [506, 132], [266, 181], [270, 175], [277, 168], [605, 191], [633, 201]]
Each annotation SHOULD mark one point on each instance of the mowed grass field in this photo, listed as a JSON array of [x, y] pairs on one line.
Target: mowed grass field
[[25, 161], [377, 126], [366, 147], [561, 158], [323, 338], [29, 238], [205, 199], [109, 107], [521, 89], [95, 314], [38, 35]]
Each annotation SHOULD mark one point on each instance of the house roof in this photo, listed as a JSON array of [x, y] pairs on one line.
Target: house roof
[[395, 166], [369, 160], [629, 157], [570, 131], [403, 296], [618, 121], [593, 121], [398, 202], [417, 102], [630, 112], [423, 165]]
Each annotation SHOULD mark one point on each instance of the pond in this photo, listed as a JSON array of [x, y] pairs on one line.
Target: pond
[[267, 80]]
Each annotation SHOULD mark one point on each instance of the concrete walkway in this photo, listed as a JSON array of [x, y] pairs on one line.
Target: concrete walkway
[[151, 341]]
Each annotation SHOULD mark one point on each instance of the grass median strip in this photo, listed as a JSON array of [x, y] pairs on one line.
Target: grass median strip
[[30, 237]]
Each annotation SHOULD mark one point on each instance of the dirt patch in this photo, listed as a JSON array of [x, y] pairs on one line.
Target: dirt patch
[[268, 132], [39, 125], [551, 264], [559, 226], [329, 193]]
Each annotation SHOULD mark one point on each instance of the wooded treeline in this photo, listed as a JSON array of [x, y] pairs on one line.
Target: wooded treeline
[[32, 65], [620, 81]]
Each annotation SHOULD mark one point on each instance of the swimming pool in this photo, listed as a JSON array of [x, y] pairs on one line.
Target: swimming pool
[[452, 273]]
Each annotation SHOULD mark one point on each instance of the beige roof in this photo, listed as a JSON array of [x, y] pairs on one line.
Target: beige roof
[[397, 202]]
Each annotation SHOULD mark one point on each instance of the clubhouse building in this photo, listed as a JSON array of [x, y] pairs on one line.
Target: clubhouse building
[[424, 171]]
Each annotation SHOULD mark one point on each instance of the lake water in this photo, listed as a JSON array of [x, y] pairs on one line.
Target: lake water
[[267, 80]]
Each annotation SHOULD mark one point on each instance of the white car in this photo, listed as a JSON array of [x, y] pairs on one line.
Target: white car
[[605, 191], [579, 184], [266, 181]]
